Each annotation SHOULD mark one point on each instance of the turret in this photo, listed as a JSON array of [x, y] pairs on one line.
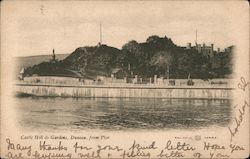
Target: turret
[[53, 58], [53, 55], [218, 50], [212, 47]]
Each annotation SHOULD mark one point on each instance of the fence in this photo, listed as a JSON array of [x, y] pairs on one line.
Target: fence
[[127, 82]]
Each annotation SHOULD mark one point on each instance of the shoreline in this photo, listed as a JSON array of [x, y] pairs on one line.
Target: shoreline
[[123, 91]]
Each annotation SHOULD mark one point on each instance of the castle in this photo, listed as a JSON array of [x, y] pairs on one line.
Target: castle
[[206, 50]]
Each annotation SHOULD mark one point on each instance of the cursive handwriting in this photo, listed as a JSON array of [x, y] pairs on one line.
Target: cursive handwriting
[[135, 154], [50, 155], [47, 147], [238, 120], [173, 154], [137, 150], [76, 146], [243, 84], [197, 155], [175, 149], [139, 147], [18, 147], [218, 155], [92, 154], [171, 149], [11, 155], [108, 147], [179, 146], [236, 148], [208, 146]]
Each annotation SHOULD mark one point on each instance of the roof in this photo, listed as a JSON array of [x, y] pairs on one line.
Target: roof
[[115, 70]]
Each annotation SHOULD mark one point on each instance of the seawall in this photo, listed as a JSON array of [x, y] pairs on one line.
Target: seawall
[[126, 91]]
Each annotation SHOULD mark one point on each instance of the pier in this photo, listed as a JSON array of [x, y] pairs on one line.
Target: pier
[[125, 90]]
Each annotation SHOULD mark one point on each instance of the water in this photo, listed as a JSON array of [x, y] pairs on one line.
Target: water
[[125, 114]]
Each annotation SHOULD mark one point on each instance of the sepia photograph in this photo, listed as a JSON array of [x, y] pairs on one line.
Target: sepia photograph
[[176, 71], [151, 82]]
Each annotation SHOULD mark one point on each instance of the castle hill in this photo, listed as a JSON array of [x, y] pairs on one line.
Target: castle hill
[[156, 64]]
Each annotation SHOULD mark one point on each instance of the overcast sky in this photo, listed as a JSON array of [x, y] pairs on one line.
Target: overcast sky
[[35, 28]]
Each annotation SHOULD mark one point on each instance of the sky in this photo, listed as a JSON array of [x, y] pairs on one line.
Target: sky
[[36, 27]]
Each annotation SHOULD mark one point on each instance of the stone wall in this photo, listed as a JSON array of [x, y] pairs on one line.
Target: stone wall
[[125, 91]]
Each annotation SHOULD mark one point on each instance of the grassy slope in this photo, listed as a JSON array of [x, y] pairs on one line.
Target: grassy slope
[[29, 61]]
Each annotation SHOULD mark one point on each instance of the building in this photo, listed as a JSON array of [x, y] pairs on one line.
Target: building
[[206, 50], [189, 46], [53, 58], [229, 49], [21, 74]]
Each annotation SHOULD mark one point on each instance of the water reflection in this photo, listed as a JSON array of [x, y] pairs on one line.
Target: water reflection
[[121, 113]]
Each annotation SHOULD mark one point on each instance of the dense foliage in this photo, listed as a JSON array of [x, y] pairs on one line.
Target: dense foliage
[[157, 56]]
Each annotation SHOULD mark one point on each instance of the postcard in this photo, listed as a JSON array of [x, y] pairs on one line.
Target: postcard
[[124, 79]]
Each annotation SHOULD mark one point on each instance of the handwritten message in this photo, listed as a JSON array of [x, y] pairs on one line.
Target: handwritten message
[[67, 147], [241, 109]]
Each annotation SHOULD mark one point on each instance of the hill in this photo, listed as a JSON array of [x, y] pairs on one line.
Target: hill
[[29, 61], [156, 56]]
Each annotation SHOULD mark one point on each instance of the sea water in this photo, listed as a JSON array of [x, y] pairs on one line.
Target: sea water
[[126, 114]]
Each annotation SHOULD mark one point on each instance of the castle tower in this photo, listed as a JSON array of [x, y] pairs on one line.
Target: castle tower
[[212, 47], [53, 55], [212, 50], [218, 50]]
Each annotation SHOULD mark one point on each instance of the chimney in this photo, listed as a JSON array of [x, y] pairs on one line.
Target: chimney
[[204, 45], [218, 50]]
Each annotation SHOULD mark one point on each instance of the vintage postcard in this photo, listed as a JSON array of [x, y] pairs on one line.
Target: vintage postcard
[[124, 79]]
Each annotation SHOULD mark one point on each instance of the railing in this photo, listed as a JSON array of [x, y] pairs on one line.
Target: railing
[[67, 81]]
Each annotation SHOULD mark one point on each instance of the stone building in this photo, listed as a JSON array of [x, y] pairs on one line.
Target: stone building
[[206, 50]]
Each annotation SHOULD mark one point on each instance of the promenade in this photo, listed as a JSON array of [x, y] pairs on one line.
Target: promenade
[[125, 90]]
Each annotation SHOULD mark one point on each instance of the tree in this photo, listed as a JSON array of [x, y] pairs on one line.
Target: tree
[[152, 39], [162, 62], [131, 46], [184, 65]]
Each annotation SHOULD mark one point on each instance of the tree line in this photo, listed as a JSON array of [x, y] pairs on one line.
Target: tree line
[[156, 56]]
